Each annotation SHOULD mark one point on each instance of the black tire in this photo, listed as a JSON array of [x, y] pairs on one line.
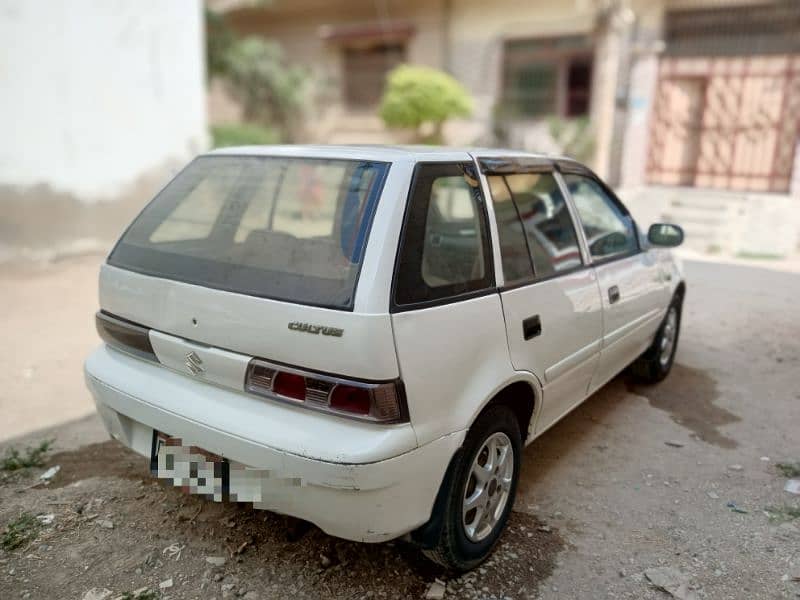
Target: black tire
[[454, 549], [651, 367]]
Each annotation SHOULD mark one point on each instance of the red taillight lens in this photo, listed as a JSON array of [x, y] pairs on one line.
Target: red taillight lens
[[369, 401], [290, 385], [351, 399]]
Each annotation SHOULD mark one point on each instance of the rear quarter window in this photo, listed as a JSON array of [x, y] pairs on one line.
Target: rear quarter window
[[444, 251]]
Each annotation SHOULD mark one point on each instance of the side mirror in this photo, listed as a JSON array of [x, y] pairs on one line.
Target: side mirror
[[665, 234]]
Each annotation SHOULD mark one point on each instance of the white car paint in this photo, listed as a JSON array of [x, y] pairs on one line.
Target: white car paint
[[352, 477], [367, 481], [239, 322], [564, 357], [632, 321]]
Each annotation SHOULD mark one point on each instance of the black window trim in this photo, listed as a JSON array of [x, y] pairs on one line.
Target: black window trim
[[515, 165], [522, 166], [569, 167], [532, 276], [488, 248]]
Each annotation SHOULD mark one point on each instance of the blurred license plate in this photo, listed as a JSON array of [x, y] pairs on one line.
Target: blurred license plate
[[194, 470]]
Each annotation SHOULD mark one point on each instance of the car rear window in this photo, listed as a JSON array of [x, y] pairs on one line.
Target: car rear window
[[291, 229]]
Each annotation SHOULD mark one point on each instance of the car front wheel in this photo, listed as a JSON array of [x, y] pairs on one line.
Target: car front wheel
[[656, 362], [482, 491]]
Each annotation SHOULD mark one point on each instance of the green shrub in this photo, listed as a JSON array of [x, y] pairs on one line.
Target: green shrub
[[788, 469], [32, 457], [415, 96], [271, 92], [242, 134], [219, 39], [574, 137], [20, 531]]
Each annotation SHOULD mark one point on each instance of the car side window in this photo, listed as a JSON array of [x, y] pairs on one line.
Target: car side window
[[542, 217], [517, 265], [444, 249], [610, 230]]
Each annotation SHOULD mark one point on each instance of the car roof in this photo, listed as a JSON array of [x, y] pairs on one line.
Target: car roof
[[377, 152]]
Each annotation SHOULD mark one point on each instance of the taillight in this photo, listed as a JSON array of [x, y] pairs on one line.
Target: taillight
[[376, 402], [290, 385], [351, 399], [124, 335]]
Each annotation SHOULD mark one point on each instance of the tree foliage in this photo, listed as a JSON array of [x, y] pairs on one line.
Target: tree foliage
[[242, 134], [270, 91], [219, 38], [415, 96], [573, 136]]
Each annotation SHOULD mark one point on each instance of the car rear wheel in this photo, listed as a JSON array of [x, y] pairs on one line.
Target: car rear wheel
[[656, 362], [481, 492]]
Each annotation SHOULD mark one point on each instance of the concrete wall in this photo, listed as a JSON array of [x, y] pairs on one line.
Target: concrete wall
[[95, 93]]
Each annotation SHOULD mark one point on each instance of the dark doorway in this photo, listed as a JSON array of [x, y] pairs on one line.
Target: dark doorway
[[365, 71]]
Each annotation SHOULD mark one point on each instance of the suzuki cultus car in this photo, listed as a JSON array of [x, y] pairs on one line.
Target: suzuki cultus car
[[366, 337]]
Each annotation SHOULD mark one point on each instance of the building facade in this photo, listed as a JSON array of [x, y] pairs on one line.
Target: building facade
[[96, 94], [691, 107]]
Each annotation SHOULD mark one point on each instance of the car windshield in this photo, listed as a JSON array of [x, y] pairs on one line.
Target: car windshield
[[285, 228]]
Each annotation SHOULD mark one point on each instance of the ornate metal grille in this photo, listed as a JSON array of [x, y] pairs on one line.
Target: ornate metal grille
[[727, 109]]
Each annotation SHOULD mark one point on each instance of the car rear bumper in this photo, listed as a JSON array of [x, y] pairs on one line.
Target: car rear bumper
[[347, 488]]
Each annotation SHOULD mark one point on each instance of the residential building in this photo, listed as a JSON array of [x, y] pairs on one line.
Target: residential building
[[693, 105]]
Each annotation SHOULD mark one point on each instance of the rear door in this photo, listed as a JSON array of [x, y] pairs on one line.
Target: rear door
[[261, 255], [446, 313], [629, 278], [550, 296]]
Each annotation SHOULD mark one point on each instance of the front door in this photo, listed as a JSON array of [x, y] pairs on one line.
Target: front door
[[550, 297], [630, 279]]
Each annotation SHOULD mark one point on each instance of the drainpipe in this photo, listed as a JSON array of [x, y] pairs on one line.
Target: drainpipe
[[613, 28], [621, 93]]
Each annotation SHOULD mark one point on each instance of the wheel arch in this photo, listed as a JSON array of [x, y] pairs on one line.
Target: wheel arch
[[522, 394], [680, 290]]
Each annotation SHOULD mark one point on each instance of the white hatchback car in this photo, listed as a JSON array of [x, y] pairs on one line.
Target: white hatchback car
[[366, 337]]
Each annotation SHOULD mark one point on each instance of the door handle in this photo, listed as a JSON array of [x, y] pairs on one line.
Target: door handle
[[613, 294], [532, 327]]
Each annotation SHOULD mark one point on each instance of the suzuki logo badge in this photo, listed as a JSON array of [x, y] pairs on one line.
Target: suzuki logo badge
[[194, 363]]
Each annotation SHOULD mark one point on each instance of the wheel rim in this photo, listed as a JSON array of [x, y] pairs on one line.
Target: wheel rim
[[668, 337], [488, 487]]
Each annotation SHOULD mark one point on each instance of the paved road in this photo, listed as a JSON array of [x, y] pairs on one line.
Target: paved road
[[627, 501], [604, 479]]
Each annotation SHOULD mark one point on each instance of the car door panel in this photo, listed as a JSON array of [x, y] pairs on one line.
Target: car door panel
[[631, 322], [585, 354], [551, 301], [564, 355], [629, 277]]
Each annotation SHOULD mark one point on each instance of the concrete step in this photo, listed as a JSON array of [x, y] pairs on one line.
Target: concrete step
[[684, 216]]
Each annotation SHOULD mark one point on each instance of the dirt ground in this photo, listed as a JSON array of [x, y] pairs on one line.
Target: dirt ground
[[637, 485], [47, 319]]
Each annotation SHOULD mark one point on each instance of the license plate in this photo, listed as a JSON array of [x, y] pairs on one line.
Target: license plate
[[194, 470]]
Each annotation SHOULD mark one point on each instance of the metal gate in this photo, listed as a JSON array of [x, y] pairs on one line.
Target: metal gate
[[727, 111], [726, 122]]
